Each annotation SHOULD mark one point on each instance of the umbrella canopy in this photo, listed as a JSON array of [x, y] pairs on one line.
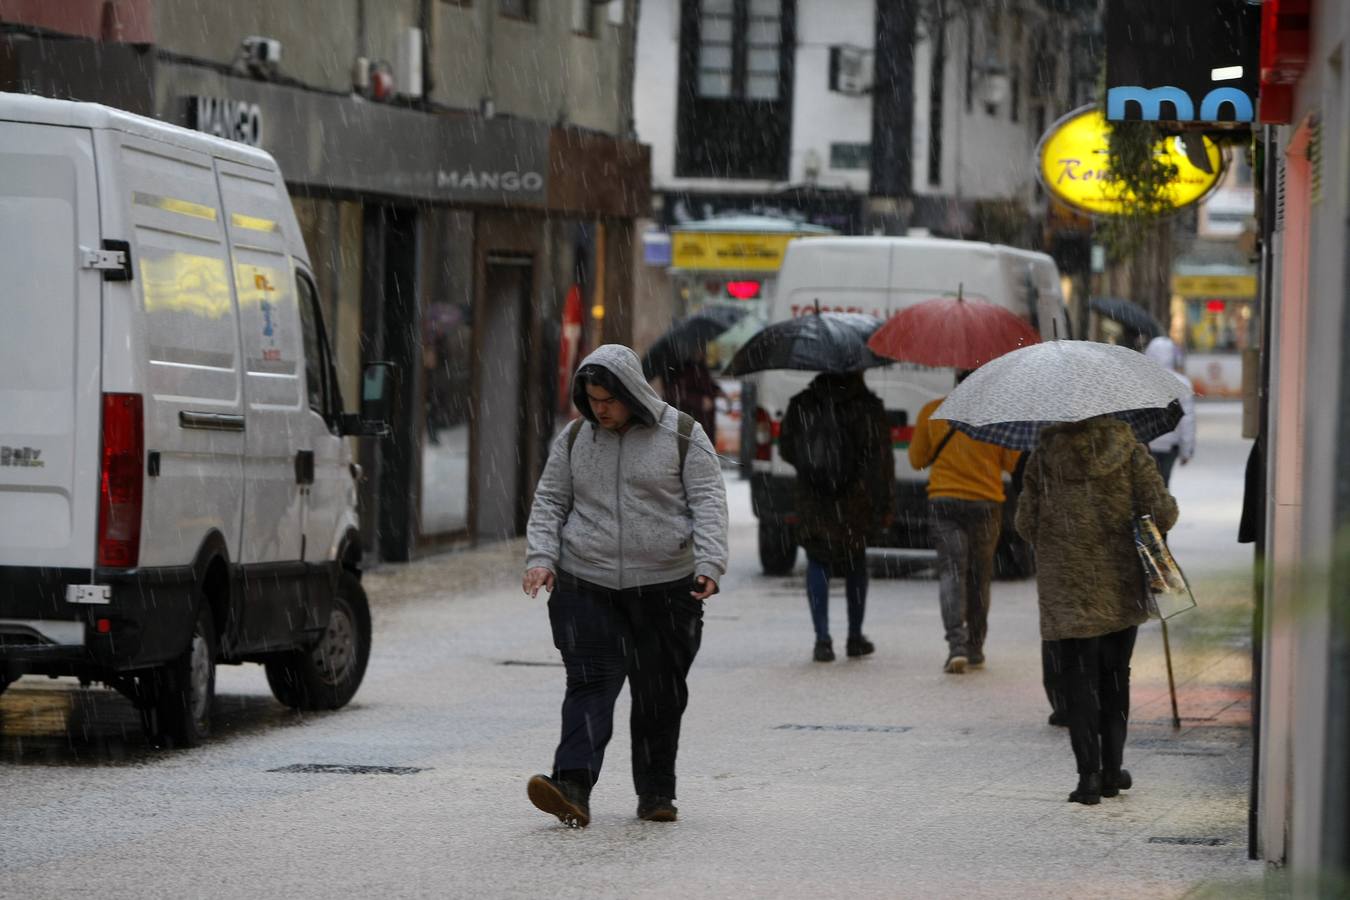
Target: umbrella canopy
[[952, 331], [1008, 401], [815, 342], [1131, 315], [687, 339]]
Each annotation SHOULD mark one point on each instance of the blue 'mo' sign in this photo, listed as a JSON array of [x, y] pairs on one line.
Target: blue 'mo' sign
[[1182, 60], [1149, 105]]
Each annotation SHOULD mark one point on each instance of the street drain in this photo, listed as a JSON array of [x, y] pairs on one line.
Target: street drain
[[870, 729], [530, 662], [335, 769], [1189, 841]]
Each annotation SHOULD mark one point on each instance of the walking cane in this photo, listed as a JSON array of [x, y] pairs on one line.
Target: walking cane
[[1171, 683]]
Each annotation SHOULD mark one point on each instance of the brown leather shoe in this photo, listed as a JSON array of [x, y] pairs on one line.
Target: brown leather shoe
[[569, 802]]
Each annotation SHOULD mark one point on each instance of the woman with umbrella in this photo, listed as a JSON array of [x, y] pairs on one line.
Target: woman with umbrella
[[1084, 409], [680, 359]]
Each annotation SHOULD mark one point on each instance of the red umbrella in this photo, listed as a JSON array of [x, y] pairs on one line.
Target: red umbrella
[[952, 332]]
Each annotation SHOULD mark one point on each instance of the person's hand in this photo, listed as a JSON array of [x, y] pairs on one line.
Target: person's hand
[[537, 578], [706, 587]]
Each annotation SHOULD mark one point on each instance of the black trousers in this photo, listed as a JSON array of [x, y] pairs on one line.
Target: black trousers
[[647, 635], [1090, 678]]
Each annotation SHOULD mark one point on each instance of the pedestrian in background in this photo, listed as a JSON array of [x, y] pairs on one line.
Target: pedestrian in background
[[1179, 444], [691, 389], [1084, 484], [836, 436], [965, 502], [629, 533]]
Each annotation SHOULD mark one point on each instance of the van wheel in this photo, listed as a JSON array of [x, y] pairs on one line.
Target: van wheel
[[326, 675], [183, 691], [777, 548]]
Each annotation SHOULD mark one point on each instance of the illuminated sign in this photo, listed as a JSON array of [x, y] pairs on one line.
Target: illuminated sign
[[1214, 285], [711, 250], [1072, 164]]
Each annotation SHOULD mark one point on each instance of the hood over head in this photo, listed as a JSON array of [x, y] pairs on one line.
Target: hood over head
[[1092, 448], [1163, 352], [839, 385], [617, 369]]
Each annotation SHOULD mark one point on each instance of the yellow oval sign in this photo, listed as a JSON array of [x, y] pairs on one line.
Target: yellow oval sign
[[1072, 164]]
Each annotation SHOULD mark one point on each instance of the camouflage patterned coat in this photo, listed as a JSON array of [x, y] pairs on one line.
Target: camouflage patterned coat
[[1083, 486]]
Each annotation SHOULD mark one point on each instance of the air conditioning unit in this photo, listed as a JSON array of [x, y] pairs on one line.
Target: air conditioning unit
[[851, 70]]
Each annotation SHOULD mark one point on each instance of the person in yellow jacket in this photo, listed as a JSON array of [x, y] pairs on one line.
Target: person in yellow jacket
[[965, 502]]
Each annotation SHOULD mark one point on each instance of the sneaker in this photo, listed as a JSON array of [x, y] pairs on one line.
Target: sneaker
[[860, 646], [655, 808], [1115, 782], [568, 801], [956, 664], [976, 659], [824, 651]]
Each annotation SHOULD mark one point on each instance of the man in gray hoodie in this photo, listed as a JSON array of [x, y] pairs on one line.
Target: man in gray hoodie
[[629, 535]]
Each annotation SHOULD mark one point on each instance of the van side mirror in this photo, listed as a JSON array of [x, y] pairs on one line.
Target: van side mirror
[[377, 402]]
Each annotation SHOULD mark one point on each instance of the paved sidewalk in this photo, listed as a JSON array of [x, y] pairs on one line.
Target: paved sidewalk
[[884, 777]]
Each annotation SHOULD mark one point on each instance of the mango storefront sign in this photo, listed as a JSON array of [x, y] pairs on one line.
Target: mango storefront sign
[[727, 250], [1072, 164]]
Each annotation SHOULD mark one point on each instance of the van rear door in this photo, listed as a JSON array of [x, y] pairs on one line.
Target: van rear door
[[49, 346]]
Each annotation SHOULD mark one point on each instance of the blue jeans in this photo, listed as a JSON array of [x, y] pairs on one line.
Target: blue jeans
[[818, 595]]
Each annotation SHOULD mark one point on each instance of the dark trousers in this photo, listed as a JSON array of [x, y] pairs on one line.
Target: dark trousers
[[648, 636], [1091, 678], [818, 595], [965, 536], [1165, 462]]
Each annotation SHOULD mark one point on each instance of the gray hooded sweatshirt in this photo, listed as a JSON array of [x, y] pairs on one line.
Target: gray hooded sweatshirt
[[616, 511]]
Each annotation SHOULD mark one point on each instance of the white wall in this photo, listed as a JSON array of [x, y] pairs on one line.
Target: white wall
[[821, 116], [656, 83]]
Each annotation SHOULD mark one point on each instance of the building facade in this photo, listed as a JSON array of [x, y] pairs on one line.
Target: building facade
[[460, 169]]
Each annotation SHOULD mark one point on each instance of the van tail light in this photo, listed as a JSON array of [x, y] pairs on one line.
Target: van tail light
[[121, 481], [766, 432]]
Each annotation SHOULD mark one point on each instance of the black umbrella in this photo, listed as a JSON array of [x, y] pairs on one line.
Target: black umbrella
[[688, 339], [815, 342], [1131, 315]]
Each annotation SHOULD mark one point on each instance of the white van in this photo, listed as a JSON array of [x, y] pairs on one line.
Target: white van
[[175, 487], [880, 276]]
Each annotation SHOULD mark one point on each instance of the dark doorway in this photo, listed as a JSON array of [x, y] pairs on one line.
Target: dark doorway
[[499, 464], [392, 333]]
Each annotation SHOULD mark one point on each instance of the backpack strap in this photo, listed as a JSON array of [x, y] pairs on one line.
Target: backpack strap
[[684, 432], [942, 445], [572, 431]]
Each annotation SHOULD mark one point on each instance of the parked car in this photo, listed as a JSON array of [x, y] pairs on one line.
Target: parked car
[[880, 276], [176, 487]]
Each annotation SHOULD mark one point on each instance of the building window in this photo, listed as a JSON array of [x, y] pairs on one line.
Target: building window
[[850, 156], [583, 17], [735, 88], [937, 87], [517, 9]]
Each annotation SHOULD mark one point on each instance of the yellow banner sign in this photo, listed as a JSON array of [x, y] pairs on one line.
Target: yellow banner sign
[[727, 251], [1073, 166], [1235, 286]]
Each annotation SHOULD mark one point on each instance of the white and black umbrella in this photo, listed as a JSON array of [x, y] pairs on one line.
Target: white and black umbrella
[[1009, 400]]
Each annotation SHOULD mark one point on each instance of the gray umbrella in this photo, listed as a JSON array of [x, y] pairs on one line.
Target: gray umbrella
[[1009, 400]]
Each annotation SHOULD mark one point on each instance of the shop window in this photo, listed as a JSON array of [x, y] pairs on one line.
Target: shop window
[[850, 156], [517, 9], [735, 88]]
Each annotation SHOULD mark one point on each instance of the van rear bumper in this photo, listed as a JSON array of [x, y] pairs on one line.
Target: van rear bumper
[[42, 633], [773, 503]]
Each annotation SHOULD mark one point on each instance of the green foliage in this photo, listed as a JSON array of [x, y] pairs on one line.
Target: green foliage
[[1142, 174]]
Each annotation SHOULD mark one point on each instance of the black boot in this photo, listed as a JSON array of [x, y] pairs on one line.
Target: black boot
[[824, 651], [860, 646], [655, 808], [1089, 790], [1115, 782], [569, 800]]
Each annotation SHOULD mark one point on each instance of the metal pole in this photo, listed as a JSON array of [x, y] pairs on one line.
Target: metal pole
[[1171, 683]]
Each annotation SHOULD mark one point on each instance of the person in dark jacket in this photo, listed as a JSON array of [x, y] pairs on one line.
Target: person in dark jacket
[[1084, 484], [692, 389], [835, 520]]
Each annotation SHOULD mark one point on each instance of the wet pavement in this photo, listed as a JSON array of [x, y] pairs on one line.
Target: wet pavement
[[881, 777]]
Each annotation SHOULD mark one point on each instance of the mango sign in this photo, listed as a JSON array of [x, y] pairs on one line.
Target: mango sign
[[1072, 165]]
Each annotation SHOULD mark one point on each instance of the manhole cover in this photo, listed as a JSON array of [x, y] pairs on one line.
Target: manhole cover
[[878, 729], [1189, 841], [336, 769], [529, 662]]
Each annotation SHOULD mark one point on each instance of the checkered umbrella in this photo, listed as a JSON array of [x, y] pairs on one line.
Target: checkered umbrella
[[1009, 400]]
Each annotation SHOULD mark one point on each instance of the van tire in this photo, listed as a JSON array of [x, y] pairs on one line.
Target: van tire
[[327, 674], [184, 690], [777, 548]]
